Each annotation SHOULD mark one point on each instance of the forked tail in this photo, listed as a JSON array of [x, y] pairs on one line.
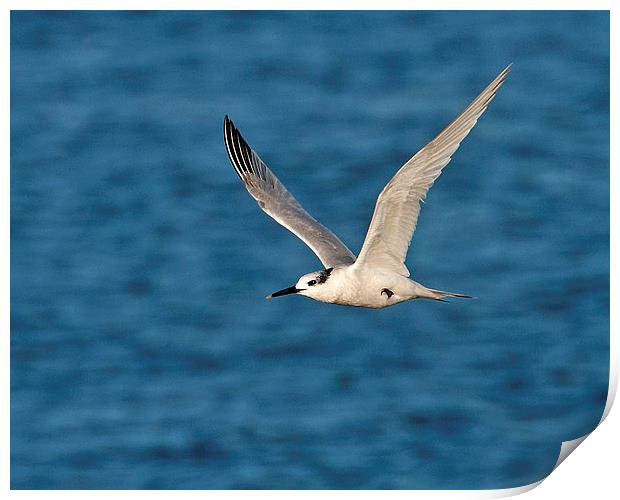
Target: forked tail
[[429, 293]]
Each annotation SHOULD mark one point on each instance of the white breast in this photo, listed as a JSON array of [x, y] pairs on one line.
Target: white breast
[[352, 287]]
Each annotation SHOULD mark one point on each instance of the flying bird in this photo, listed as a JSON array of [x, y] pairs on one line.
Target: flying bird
[[378, 276]]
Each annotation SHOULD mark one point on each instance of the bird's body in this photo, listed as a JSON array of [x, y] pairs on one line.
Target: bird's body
[[378, 277], [350, 285]]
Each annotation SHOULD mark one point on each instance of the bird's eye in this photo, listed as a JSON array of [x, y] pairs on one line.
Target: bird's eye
[[311, 282]]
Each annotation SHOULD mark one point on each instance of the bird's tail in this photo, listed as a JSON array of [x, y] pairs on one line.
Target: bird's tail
[[429, 293]]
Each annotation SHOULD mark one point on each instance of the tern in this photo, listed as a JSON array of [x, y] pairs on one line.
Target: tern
[[377, 277]]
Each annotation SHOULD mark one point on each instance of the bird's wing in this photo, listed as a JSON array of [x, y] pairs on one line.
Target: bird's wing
[[278, 203], [398, 206]]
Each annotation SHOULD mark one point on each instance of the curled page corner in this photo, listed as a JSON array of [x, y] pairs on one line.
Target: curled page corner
[[509, 492], [569, 446], [566, 448]]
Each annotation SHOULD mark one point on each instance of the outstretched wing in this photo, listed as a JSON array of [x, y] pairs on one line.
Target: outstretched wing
[[278, 203], [398, 206]]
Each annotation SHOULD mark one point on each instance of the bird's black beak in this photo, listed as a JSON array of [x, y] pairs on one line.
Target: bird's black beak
[[286, 291]]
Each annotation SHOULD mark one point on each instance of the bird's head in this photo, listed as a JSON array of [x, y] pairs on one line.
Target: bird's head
[[311, 285]]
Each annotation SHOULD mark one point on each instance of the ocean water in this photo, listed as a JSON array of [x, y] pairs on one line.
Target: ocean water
[[143, 353]]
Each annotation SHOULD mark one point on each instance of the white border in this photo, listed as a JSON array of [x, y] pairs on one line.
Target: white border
[[586, 473], [311, 5]]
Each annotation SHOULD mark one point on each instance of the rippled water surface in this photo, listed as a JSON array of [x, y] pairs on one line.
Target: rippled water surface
[[143, 354]]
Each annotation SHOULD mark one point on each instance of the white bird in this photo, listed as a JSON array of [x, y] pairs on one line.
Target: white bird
[[378, 277]]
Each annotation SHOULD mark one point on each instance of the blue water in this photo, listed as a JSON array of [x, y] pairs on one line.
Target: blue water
[[143, 353]]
